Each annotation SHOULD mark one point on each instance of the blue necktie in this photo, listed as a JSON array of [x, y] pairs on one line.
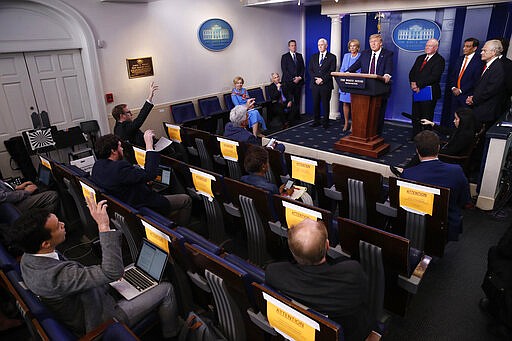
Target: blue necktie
[[294, 59], [322, 59]]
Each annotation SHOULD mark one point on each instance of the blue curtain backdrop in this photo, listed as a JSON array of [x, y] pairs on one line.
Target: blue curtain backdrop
[[457, 24]]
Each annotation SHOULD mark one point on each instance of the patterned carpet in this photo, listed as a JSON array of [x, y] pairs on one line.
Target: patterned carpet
[[396, 134]]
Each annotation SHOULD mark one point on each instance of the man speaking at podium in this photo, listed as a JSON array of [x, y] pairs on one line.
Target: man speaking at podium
[[378, 61]]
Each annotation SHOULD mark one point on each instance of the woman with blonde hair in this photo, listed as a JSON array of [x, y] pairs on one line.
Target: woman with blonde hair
[[348, 59], [239, 96]]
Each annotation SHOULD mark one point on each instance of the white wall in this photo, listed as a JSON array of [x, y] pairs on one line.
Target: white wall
[[167, 31]]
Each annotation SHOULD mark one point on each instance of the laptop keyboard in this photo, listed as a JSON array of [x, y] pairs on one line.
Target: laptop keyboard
[[137, 279]]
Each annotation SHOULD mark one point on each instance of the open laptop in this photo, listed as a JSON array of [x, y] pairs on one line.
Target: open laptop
[[163, 179], [145, 274]]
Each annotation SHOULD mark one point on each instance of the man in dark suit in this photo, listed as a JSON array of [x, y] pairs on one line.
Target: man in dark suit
[[129, 183], [487, 99], [337, 288], [465, 75], [292, 66], [282, 100], [426, 71], [379, 61], [128, 128], [432, 171], [320, 67], [507, 68]]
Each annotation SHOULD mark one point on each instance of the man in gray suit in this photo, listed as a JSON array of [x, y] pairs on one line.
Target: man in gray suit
[[24, 196], [75, 293]]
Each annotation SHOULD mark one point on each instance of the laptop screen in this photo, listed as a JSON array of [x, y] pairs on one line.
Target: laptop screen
[[164, 175], [44, 175], [152, 260]]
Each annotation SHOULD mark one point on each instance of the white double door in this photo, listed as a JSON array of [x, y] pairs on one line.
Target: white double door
[[51, 81]]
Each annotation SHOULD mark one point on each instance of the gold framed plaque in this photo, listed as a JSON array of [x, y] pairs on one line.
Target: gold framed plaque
[[140, 67]]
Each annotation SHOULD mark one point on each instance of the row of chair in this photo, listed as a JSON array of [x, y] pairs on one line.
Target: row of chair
[[212, 115], [358, 194], [234, 284], [264, 219]]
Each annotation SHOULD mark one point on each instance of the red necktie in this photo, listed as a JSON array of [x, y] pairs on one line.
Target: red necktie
[[485, 68], [372, 64], [424, 62]]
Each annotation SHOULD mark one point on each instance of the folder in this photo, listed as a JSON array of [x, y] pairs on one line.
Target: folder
[[425, 94]]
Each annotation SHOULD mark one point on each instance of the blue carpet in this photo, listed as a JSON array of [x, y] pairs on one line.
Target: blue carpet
[[400, 152]]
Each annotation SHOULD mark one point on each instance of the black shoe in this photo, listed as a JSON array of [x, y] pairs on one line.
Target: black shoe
[[395, 171], [484, 304], [315, 124], [326, 124]]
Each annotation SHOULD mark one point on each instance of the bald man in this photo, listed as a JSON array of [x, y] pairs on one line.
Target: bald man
[[337, 289], [426, 71]]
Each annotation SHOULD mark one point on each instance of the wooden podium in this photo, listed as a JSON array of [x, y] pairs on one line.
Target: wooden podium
[[366, 96]]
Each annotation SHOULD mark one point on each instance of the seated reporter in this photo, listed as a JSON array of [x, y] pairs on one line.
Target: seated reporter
[[77, 294], [129, 183], [282, 101], [237, 128], [337, 288], [256, 164], [462, 136], [240, 96], [26, 197]]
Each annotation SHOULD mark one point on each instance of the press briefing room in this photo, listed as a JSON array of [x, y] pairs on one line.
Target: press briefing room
[[255, 170]]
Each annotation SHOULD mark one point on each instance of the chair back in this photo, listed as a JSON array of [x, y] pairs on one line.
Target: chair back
[[228, 101], [209, 105], [427, 232], [361, 190], [183, 112], [257, 94], [325, 329], [371, 260]]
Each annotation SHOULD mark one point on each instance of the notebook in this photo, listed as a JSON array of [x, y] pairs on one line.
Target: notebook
[[163, 179], [425, 94], [145, 274]]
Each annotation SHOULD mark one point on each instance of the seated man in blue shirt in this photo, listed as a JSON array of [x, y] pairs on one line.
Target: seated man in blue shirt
[[434, 172], [256, 164]]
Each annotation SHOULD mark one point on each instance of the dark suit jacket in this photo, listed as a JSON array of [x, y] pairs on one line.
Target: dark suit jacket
[[489, 92], [449, 176], [507, 66], [339, 290], [469, 79], [290, 70], [430, 75], [130, 131], [275, 95], [128, 183], [324, 71], [384, 63]]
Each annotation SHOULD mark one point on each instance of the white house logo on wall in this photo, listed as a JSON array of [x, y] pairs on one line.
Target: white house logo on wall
[[215, 34], [411, 35]]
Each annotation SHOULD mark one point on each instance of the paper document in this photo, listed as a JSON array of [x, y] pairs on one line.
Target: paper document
[[163, 143], [297, 192]]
